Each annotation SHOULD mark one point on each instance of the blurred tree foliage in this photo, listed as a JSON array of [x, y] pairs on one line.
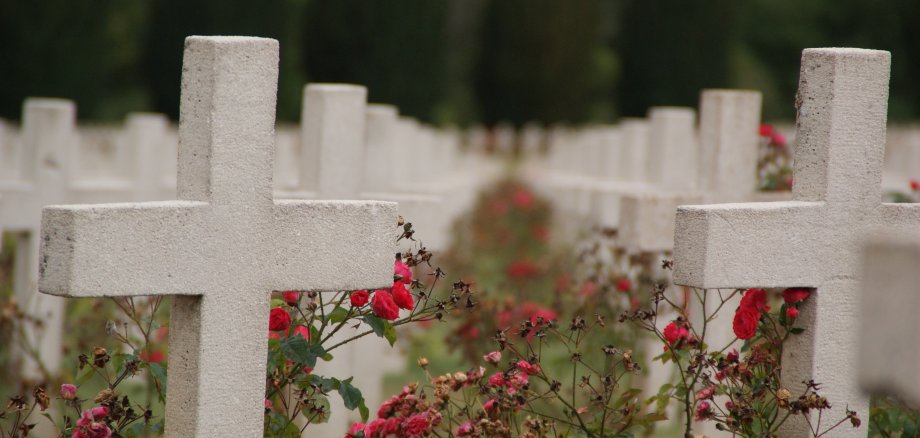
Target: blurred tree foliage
[[456, 61]]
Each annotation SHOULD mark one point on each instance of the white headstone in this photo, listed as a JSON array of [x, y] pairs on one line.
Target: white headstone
[[814, 240], [47, 138], [224, 246], [889, 362]]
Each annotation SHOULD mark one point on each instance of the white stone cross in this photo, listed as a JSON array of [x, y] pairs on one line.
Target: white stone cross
[[889, 360], [223, 246], [813, 240], [728, 146], [47, 138]]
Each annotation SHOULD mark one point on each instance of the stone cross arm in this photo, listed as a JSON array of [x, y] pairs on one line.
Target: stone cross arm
[[192, 248], [776, 244], [223, 246]]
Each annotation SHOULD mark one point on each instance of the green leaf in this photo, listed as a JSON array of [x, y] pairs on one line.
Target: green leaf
[[297, 349], [381, 328], [796, 330], [351, 396], [317, 409], [337, 315], [377, 324], [324, 384], [159, 372], [365, 413]]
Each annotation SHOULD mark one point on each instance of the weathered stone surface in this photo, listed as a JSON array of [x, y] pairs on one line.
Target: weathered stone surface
[[814, 240], [223, 246], [888, 361]]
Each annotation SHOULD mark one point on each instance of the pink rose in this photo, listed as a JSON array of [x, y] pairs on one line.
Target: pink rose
[[527, 367], [402, 271], [68, 391], [354, 429], [703, 411], [493, 358], [417, 425], [88, 427], [497, 379], [465, 429]]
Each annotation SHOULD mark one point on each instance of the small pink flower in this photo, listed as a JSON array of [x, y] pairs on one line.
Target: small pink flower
[[624, 285], [497, 379], [402, 271], [493, 358], [354, 429], [527, 367], [68, 391], [792, 313], [489, 406], [703, 411], [706, 393], [778, 139], [465, 429], [100, 412], [88, 426]]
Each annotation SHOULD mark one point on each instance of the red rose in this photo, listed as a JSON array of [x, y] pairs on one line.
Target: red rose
[[279, 320], [522, 198], [402, 271], [755, 299], [303, 331], [745, 322], [672, 333], [354, 429], [914, 185], [796, 294], [732, 356], [374, 428], [359, 298], [792, 313], [383, 306], [543, 313], [778, 139], [156, 356], [766, 130], [624, 285], [417, 425], [292, 297], [402, 297]]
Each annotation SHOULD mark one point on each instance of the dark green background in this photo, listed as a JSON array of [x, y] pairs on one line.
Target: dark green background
[[455, 61]]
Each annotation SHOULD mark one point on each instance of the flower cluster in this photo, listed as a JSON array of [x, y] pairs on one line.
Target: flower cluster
[[774, 166]]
